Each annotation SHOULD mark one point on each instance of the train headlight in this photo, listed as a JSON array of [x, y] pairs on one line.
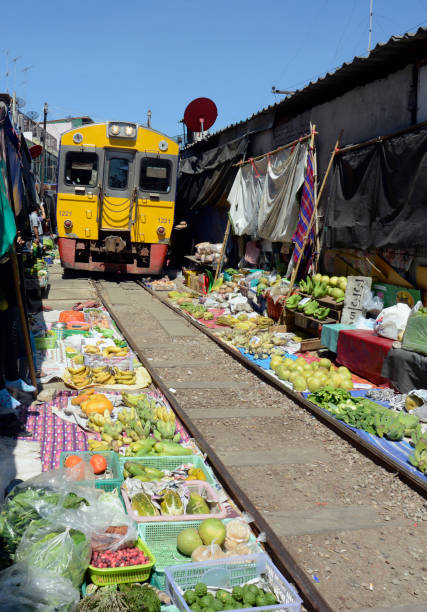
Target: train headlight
[[78, 138], [130, 131], [115, 129], [68, 224]]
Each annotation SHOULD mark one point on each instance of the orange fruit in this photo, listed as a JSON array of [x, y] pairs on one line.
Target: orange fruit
[[98, 463]]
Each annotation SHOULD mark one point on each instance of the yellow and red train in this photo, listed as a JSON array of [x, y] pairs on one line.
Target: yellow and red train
[[115, 198]]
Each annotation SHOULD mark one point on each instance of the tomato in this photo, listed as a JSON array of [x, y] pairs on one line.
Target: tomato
[[98, 463], [76, 466], [72, 460]]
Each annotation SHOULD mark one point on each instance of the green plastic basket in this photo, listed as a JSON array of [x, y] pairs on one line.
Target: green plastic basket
[[161, 538], [171, 463], [119, 575], [45, 342], [107, 484]]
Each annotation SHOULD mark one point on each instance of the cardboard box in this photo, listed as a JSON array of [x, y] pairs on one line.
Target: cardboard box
[[392, 294]]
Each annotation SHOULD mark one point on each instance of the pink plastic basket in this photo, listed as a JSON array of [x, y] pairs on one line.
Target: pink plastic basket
[[196, 486]]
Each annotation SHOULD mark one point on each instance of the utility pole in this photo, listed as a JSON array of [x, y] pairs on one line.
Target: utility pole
[[371, 13], [45, 109]]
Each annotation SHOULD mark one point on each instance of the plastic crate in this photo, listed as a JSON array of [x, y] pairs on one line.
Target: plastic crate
[[108, 484], [45, 342], [161, 538], [197, 486], [171, 463], [227, 573], [119, 575]]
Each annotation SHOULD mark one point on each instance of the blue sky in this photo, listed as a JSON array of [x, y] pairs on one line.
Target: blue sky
[[116, 60]]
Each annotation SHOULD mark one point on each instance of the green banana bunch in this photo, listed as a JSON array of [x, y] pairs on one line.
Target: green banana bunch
[[310, 308], [320, 290], [321, 313], [166, 430], [303, 286], [293, 301]]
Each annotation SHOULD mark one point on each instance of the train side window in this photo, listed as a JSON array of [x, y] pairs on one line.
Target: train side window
[[155, 174], [81, 169], [118, 172]]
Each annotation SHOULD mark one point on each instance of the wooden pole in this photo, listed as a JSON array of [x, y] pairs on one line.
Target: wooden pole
[[286, 146], [224, 244], [24, 323], [313, 216]]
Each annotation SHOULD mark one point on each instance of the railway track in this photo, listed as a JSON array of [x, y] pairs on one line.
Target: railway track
[[341, 527]]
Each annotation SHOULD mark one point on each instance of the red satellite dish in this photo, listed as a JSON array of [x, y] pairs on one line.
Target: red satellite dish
[[35, 151], [200, 114]]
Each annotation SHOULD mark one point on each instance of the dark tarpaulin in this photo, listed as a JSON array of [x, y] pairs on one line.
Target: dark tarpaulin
[[378, 195], [204, 179]]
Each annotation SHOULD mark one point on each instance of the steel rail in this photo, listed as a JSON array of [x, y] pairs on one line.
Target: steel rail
[[313, 600], [413, 480]]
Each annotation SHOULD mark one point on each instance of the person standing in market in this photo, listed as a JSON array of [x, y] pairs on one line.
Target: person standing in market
[[9, 342], [36, 226]]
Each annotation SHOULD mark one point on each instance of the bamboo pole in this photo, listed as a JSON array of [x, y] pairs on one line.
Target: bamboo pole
[[313, 216], [24, 324], [224, 243], [286, 146]]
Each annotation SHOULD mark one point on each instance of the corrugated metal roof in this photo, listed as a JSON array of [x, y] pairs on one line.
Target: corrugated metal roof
[[385, 58]]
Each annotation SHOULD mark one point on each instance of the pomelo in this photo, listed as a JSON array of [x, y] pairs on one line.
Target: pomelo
[[288, 362], [343, 370], [275, 361], [188, 540], [347, 384], [333, 281], [212, 530], [282, 372], [300, 383], [325, 363], [314, 383]]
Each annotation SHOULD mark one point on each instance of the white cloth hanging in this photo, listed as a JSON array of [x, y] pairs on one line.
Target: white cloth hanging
[[245, 196], [278, 210]]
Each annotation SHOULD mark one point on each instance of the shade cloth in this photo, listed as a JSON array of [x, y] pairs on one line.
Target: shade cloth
[[279, 209], [329, 336], [363, 352], [378, 194], [406, 370]]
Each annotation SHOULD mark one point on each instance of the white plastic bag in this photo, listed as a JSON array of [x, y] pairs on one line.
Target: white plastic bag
[[24, 588], [58, 549], [391, 322]]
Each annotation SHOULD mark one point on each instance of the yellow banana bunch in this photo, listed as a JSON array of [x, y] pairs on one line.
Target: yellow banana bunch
[[164, 414], [97, 445]]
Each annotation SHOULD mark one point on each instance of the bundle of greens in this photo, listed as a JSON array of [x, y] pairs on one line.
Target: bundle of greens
[[419, 457], [134, 598], [22, 506], [56, 548], [361, 413]]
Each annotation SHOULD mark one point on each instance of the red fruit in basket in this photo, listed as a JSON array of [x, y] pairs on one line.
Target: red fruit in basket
[[98, 463]]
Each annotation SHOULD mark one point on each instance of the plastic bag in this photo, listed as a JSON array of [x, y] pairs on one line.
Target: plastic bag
[[112, 528], [373, 305], [415, 337], [391, 322], [27, 589], [36, 498], [56, 548]]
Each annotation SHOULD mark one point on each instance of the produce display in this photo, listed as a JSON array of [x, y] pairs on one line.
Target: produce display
[[166, 499], [215, 540], [321, 286], [122, 598], [200, 599], [83, 375], [313, 309], [364, 414], [312, 376], [119, 558]]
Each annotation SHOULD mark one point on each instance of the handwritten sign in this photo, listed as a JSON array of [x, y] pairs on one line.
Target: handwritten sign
[[358, 288]]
